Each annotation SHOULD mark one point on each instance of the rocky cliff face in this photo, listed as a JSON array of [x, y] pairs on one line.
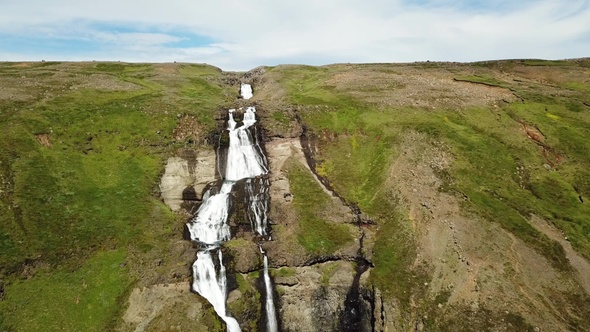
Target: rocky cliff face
[[186, 176]]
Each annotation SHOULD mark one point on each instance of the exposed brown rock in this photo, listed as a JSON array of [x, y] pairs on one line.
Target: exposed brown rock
[[44, 139]]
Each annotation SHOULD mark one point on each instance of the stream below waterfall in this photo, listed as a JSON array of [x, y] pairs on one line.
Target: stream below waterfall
[[245, 167]]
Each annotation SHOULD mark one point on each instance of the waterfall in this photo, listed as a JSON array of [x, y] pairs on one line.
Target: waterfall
[[271, 316], [244, 159], [210, 228], [257, 201], [246, 91], [213, 286]]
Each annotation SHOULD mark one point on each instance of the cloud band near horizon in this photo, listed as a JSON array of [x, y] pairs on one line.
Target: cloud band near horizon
[[238, 35]]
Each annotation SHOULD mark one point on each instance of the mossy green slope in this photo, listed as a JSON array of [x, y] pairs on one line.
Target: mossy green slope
[[505, 175], [315, 234], [86, 299], [81, 149]]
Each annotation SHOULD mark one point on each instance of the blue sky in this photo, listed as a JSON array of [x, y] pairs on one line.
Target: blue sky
[[240, 35]]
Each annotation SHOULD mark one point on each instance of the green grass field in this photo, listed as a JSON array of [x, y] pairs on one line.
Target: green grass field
[[315, 234], [84, 299], [82, 147]]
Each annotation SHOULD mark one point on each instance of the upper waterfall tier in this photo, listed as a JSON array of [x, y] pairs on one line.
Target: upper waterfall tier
[[243, 158], [246, 91]]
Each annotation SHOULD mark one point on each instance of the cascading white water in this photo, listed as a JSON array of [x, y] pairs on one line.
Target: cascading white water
[[243, 161], [271, 316], [213, 286], [246, 91], [243, 157], [258, 196], [209, 227]]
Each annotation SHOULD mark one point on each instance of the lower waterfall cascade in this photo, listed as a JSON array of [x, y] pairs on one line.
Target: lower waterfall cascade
[[271, 315], [245, 168]]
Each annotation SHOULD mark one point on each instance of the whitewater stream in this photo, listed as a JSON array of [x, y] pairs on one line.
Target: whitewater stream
[[245, 167]]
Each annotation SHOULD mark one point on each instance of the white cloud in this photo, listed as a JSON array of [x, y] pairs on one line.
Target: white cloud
[[257, 32], [138, 40]]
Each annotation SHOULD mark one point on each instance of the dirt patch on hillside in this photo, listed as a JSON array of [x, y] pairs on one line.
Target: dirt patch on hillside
[[105, 82], [47, 83], [188, 127], [557, 75], [44, 139], [164, 307], [403, 86], [473, 263], [552, 157], [581, 265]]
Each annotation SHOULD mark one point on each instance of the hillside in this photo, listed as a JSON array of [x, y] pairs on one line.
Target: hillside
[[423, 196]]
